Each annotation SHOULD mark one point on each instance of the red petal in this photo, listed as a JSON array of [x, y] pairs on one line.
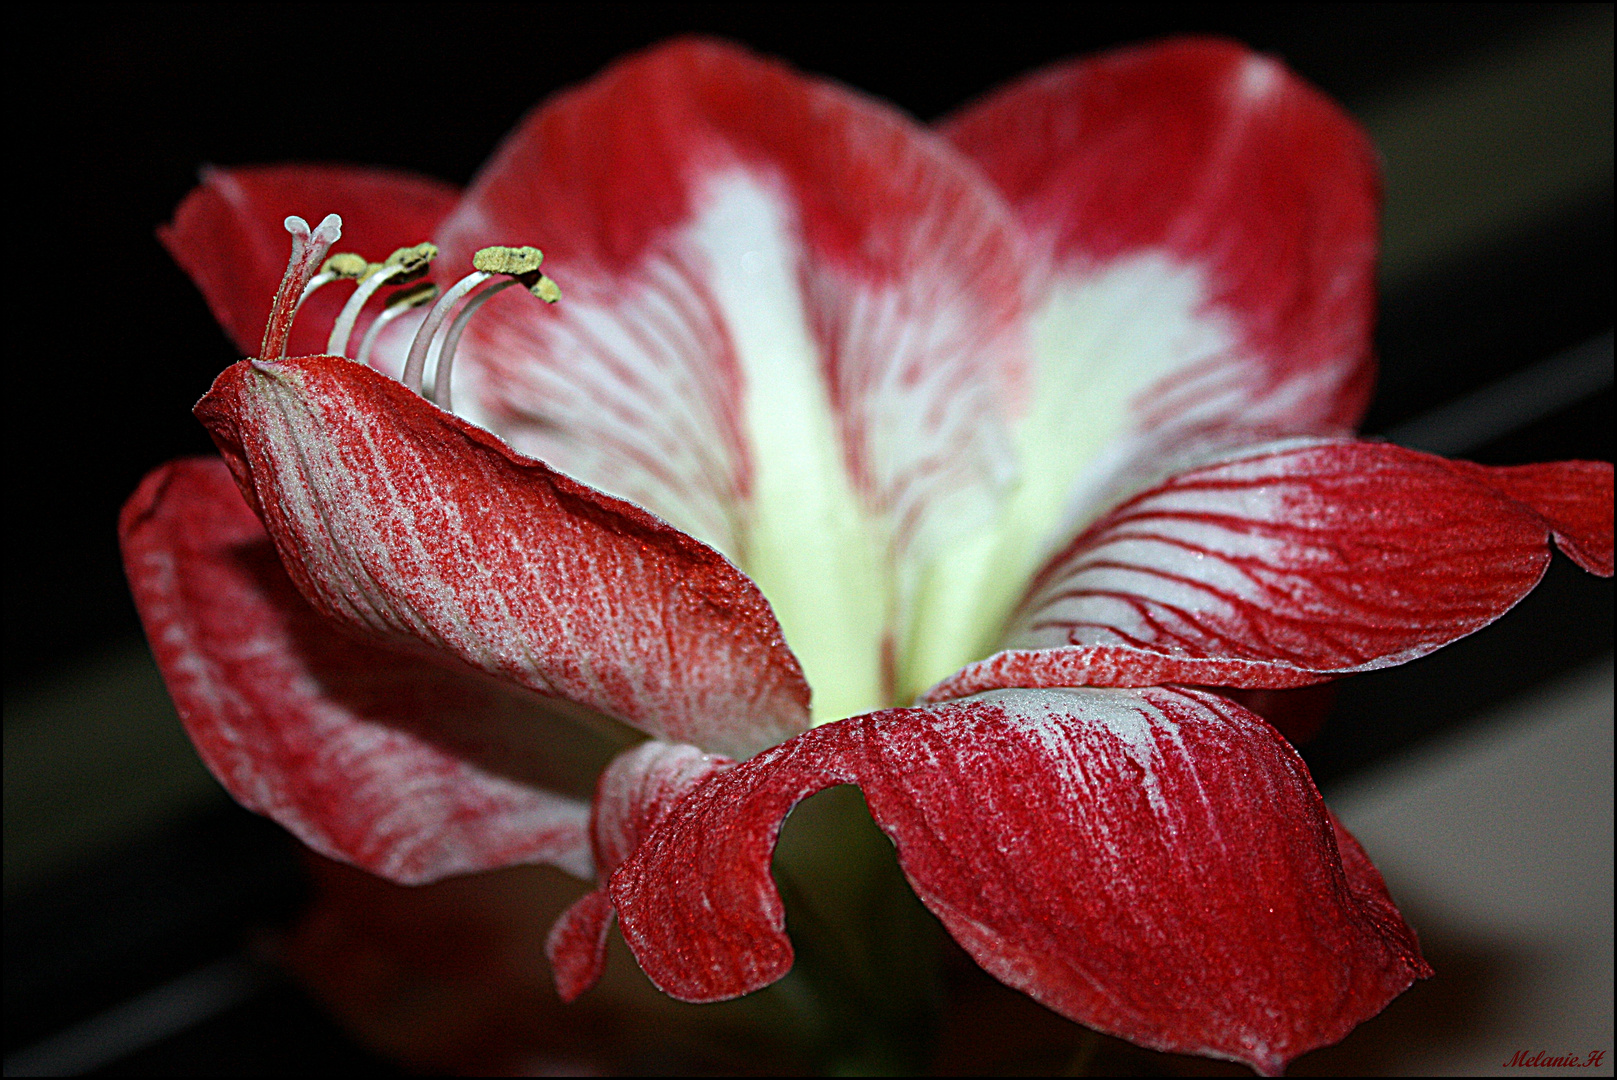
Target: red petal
[[638, 790], [902, 273], [1155, 864], [1573, 497], [376, 758], [410, 524], [1222, 160], [227, 235], [635, 793], [1295, 564], [576, 945]]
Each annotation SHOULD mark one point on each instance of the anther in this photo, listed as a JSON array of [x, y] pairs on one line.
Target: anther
[[521, 263], [413, 261], [545, 289], [343, 266], [397, 304], [405, 264], [508, 260], [308, 249]]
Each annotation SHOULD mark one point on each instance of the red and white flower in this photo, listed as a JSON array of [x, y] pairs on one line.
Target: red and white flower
[[1040, 420]]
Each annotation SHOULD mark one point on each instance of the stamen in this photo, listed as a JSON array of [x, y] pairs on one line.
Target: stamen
[[536, 283], [308, 248], [405, 264], [397, 304], [522, 264]]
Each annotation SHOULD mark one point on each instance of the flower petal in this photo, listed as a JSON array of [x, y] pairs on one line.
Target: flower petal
[[227, 235], [410, 524], [402, 767], [576, 944], [1207, 224], [1154, 863], [1573, 497], [791, 326], [638, 790], [635, 793], [1199, 156], [1295, 563]]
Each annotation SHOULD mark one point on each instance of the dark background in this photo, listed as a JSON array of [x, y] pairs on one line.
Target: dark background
[[114, 109]]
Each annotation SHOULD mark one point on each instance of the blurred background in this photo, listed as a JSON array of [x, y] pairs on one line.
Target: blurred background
[[148, 918]]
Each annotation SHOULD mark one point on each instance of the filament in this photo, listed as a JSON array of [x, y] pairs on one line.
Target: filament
[[415, 366], [337, 343], [446, 351], [400, 302]]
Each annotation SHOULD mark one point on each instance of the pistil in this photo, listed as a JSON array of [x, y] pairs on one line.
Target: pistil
[[308, 249]]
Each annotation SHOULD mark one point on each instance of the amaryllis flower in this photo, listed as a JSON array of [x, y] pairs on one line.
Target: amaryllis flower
[[1007, 440]]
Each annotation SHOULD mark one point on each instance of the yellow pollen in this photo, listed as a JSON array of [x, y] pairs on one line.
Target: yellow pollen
[[518, 262], [345, 264], [415, 260], [544, 289]]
